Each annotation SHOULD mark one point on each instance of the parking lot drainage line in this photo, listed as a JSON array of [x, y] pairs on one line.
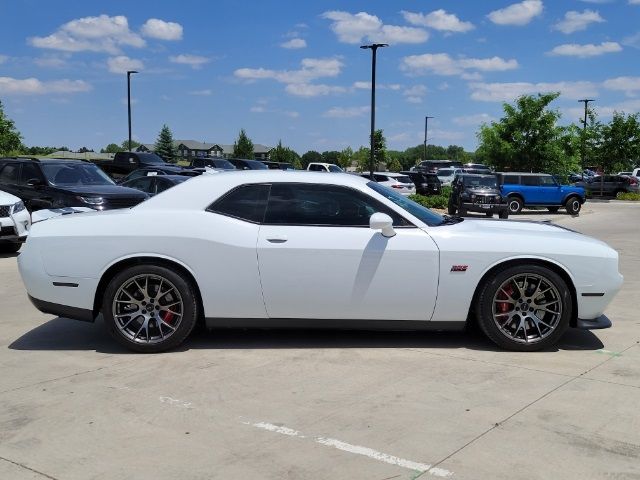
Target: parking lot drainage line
[[420, 468]]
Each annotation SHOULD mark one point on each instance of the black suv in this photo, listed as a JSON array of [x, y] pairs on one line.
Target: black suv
[[219, 163], [426, 183], [64, 183], [432, 166], [477, 193], [243, 164], [162, 170]]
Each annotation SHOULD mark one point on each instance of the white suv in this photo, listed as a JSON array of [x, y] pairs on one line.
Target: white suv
[[15, 222], [324, 167]]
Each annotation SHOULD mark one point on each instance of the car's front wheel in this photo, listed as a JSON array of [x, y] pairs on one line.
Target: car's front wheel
[[524, 308], [149, 308], [515, 205], [573, 206]]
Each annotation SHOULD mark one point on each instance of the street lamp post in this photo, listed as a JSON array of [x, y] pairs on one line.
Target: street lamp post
[[426, 130], [584, 129], [129, 73], [374, 48]]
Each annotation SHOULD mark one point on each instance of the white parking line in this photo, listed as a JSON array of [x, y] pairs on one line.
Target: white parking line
[[357, 449]]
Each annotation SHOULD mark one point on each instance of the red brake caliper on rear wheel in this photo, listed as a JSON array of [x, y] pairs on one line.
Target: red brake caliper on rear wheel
[[167, 317], [504, 294]]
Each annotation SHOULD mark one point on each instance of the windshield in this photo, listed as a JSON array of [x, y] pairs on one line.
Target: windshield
[[445, 172], [402, 179], [488, 182], [223, 164], [69, 174], [335, 169], [422, 213]]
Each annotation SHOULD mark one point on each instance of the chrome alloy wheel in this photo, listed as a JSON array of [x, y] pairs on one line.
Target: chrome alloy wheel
[[147, 309], [527, 308]]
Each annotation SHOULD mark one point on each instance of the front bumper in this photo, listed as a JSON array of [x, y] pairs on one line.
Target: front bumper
[[15, 227], [484, 207]]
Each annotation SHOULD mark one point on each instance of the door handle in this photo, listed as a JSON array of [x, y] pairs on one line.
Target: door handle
[[277, 239]]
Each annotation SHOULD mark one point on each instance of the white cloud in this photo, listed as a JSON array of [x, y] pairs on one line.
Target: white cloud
[[471, 120], [311, 69], [443, 64], [294, 43], [415, 93], [161, 30], [576, 21], [194, 61], [3, 58], [507, 92], [291, 114], [50, 61], [258, 109], [438, 20], [122, 63], [517, 13], [360, 85], [33, 86], [587, 50], [203, 93], [628, 85], [346, 112], [632, 40], [634, 2], [95, 34], [354, 28], [312, 89]]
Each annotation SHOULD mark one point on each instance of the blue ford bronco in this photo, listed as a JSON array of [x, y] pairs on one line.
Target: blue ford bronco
[[524, 190]]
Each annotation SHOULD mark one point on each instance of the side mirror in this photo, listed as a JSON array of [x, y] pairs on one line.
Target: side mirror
[[35, 182], [382, 222]]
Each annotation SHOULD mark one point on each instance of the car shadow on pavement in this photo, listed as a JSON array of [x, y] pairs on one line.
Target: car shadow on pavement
[[64, 335], [9, 255]]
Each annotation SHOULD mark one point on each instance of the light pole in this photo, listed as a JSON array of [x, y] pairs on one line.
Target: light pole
[[584, 128], [426, 130], [374, 48], [129, 73]]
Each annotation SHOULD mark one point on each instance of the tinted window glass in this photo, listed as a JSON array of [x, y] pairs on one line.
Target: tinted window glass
[[316, 168], [511, 180], [530, 180], [328, 205], [423, 213], [247, 202], [29, 172], [79, 173], [9, 174], [142, 183], [547, 182]]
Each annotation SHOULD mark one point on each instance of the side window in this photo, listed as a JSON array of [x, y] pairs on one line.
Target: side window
[[247, 202], [511, 180], [323, 205], [138, 174], [29, 172], [142, 183], [316, 168], [380, 178], [162, 184], [547, 182], [9, 174], [530, 180]]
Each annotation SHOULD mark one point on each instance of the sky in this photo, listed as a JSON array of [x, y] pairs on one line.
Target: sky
[[293, 70]]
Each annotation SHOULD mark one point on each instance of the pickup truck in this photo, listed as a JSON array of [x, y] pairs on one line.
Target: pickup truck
[[124, 163], [539, 190]]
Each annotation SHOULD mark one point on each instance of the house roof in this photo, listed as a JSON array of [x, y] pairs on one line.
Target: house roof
[[195, 145], [226, 148]]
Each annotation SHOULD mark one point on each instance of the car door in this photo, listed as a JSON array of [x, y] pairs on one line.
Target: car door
[[548, 192], [37, 196], [318, 258]]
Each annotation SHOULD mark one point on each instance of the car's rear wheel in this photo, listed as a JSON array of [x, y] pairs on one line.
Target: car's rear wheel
[[515, 205], [573, 206], [9, 247], [524, 308], [489, 215], [553, 209], [504, 214], [149, 308]]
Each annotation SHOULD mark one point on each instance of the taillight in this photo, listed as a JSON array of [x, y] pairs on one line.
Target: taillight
[[632, 181], [396, 186]]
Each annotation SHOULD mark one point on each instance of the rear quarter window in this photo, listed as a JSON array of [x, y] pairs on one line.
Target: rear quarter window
[[511, 180]]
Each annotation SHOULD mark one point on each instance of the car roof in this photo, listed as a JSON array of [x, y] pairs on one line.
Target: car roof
[[483, 175], [202, 190], [524, 174]]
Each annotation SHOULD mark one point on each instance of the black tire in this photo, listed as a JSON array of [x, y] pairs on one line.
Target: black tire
[[451, 209], [515, 205], [573, 205], [489, 215], [489, 290], [553, 209], [9, 247], [189, 308], [504, 214], [462, 212]]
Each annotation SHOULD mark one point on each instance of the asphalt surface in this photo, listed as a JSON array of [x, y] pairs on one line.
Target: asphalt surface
[[316, 405]]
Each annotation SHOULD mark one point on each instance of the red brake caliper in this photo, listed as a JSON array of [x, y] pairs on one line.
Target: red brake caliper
[[168, 317], [504, 295]]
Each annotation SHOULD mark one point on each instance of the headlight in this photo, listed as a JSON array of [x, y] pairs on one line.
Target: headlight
[[498, 198], [91, 200], [473, 196], [18, 207]]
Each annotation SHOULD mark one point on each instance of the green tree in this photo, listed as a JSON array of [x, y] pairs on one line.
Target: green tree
[[10, 138], [393, 164], [361, 158], [528, 138], [310, 157], [285, 155], [380, 152], [164, 145], [620, 145], [112, 148], [330, 157], [243, 146], [345, 158], [125, 145]]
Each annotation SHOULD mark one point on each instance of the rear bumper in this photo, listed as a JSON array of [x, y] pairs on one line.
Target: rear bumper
[[62, 310], [596, 324]]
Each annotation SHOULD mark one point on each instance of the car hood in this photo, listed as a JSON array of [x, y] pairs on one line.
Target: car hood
[[104, 191], [7, 198]]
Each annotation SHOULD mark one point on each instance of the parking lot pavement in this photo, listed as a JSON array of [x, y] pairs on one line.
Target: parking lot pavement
[[339, 405]]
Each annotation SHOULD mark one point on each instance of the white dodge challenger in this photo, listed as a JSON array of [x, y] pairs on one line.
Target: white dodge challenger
[[296, 249]]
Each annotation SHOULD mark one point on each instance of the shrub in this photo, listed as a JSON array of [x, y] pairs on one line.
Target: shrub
[[634, 197], [434, 201]]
